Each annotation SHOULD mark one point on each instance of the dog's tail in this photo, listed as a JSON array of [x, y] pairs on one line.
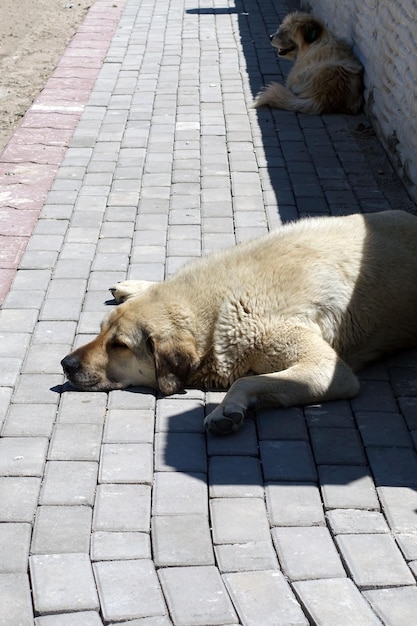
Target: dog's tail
[[279, 96]]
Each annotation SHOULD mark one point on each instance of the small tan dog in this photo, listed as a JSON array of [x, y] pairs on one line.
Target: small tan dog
[[326, 77], [282, 320]]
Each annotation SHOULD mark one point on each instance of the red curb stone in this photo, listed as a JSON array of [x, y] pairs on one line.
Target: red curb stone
[[11, 249], [45, 121], [15, 153], [63, 96], [62, 82], [29, 174], [17, 223], [33, 154], [76, 62], [44, 136], [75, 73], [18, 197], [6, 279]]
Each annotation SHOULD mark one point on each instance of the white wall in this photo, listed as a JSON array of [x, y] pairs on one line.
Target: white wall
[[384, 36]]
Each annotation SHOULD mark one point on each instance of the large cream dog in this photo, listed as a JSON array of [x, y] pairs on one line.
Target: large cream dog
[[326, 76], [282, 320]]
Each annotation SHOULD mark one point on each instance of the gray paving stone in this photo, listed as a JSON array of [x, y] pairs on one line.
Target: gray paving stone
[[403, 380], [133, 398], [375, 396], [206, 600], [5, 395], [347, 487], [374, 560], [45, 359], [307, 553], [239, 520], [177, 415], [396, 606], [160, 620], [9, 371], [82, 407], [15, 599], [129, 426], [115, 546], [395, 467], [245, 557], [89, 321], [61, 287], [38, 259], [287, 461], [38, 388], [408, 545], [235, 476], [400, 508], [333, 446], [409, 410], [29, 420], [120, 594], [264, 599], [184, 452], [69, 483], [122, 508], [179, 494], [14, 547], [126, 463], [78, 251], [281, 424], [383, 429], [83, 618], [14, 344], [75, 442], [355, 521], [323, 599], [61, 309], [61, 529], [23, 456], [243, 443], [26, 279], [292, 504], [19, 497], [62, 582], [181, 540]]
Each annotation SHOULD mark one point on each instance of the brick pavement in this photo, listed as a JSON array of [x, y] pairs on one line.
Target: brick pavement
[[116, 508]]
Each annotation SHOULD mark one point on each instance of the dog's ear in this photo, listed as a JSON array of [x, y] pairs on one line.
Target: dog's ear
[[311, 30], [175, 361]]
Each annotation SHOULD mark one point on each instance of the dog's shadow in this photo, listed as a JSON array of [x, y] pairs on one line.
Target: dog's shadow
[[349, 459]]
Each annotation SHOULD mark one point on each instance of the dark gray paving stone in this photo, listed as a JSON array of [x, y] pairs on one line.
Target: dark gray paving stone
[[287, 461]]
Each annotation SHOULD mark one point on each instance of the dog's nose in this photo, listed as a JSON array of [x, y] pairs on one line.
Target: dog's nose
[[70, 365], [271, 37]]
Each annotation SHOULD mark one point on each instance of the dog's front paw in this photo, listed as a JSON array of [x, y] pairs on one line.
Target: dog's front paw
[[225, 419], [129, 288]]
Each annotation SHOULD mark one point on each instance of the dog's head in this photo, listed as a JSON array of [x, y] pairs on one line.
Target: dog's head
[[297, 31], [142, 342]]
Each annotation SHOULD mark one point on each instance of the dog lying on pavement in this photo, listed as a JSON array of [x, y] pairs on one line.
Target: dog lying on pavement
[[326, 76], [282, 320]]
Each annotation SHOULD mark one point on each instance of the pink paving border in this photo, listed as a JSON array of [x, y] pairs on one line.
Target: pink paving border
[[36, 149]]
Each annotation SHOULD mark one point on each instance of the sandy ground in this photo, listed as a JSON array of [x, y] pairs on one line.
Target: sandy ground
[[33, 36]]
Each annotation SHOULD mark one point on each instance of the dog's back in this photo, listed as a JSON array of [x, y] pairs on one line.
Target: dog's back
[[353, 277]]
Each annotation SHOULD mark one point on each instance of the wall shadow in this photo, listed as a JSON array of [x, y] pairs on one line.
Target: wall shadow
[[292, 184]]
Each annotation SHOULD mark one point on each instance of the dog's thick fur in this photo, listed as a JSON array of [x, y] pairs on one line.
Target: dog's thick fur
[[282, 320], [326, 76]]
